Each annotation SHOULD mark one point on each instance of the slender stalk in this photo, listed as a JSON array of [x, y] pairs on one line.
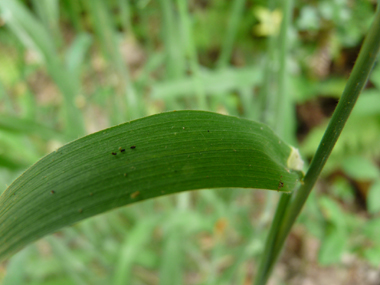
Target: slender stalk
[[125, 11], [129, 106], [226, 49], [355, 85], [281, 99], [233, 24], [175, 54], [175, 65], [268, 93], [192, 53], [267, 99], [48, 12], [266, 260], [73, 10]]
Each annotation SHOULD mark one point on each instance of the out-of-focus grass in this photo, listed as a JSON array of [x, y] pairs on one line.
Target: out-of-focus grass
[[73, 67]]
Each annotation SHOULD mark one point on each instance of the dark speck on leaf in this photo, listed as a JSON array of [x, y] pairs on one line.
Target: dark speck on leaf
[[280, 184], [52, 192], [133, 147], [121, 149], [208, 131], [113, 153], [80, 211]]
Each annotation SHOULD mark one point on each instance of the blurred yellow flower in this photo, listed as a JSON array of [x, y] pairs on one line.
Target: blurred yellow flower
[[269, 21]]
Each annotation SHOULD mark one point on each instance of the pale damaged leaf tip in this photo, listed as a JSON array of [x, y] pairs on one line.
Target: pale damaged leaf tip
[[295, 161]]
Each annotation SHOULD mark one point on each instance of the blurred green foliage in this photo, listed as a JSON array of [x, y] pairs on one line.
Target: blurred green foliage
[[69, 68]]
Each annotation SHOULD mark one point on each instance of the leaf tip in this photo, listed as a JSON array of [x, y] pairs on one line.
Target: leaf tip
[[295, 161]]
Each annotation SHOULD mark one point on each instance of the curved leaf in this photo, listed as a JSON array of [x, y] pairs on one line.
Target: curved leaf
[[146, 158]]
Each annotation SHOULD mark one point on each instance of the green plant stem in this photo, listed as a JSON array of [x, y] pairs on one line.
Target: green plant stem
[[175, 54], [233, 25], [282, 97], [280, 101], [175, 65], [125, 11], [184, 15], [48, 12], [355, 85], [129, 105], [266, 260], [73, 12], [267, 95], [227, 47]]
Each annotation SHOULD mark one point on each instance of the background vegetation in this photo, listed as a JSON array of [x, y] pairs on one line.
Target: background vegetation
[[69, 68]]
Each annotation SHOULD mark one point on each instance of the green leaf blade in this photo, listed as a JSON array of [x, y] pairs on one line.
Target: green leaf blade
[[163, 154]]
